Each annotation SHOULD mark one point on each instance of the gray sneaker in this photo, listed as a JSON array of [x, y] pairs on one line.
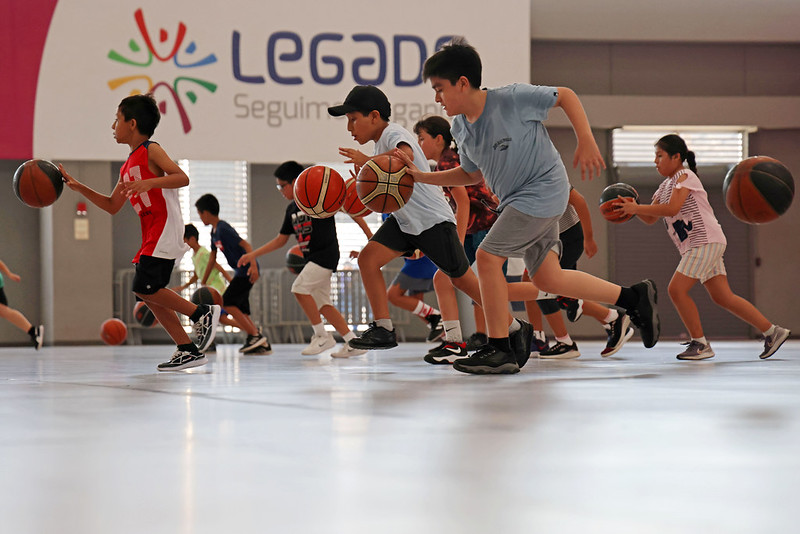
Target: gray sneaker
[[773, 343], [696, 351], [183, 360]]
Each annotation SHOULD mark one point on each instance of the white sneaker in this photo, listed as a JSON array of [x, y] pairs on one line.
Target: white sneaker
[[319, 344], [346, 351]]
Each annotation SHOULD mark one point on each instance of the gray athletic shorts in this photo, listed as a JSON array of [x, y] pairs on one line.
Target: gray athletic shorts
[[517, 235]]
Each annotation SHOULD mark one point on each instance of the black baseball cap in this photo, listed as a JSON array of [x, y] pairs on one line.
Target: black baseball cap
[[363, 98]]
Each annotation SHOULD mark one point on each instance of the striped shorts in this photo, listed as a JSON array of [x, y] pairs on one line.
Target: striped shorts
[[704, 262]]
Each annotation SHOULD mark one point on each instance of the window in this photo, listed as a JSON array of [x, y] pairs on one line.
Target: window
[[633, 146], [226, 180]]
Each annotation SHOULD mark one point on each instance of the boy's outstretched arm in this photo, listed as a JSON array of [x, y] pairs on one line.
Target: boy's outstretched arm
[[112, 204], [363, 225], [587, 155], [452, 177]]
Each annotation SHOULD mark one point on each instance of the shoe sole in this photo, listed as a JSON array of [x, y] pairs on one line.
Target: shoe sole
[[626, 325], [578, 313], [655, 321], [215, 313], [261, 343], [776, 346], [356, 345], [442, 360], [505, 369], [704, 356], [315, 351], [195, 363], [439, 337], [571, 355], [526, 333], [345, 355]]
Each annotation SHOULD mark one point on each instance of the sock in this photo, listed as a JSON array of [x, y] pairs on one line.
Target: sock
[[198, 312], [500, 343], [612, 316], [319, 329], [769, 331], [565, 340], [32, 331], [628, 298], [452, 331], [385, 323], [544, 295], [702, 340], [348, 336], [423, 310], [514, 326], [189, 347]]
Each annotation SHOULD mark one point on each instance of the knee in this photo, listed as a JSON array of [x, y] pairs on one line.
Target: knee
[[676, 292]]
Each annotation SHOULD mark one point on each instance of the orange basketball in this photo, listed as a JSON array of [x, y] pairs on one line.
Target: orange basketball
[[144, 315], [206, 295], [384, 185], [319, 191], [758, 190], [352, 204], [609, 197], [113, 332], [38, 183]]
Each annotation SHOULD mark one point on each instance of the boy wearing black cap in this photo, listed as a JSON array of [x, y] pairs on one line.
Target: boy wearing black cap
[[426, 222]]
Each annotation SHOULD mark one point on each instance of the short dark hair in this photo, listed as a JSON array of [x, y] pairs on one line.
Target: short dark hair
[[288, 171], [144, 109], [190, 230], [435, 125], [209, 203], [454, 60]]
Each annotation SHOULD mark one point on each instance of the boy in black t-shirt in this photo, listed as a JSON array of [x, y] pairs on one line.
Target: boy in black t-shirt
[[320, 246]]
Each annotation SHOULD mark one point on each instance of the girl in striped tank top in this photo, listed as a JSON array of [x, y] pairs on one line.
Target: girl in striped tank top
[[682, 202]]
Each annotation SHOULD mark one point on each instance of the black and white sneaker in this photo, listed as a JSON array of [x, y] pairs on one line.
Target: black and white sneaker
[[37, 337], [434, 321], [183, 359], [645, 314], [446, 353], [573, 306], [773, 343], [619, 331], [561, 351], [521, 342], [375, 337], [254, 342], [476, 341], [488, 361], [205, 329]]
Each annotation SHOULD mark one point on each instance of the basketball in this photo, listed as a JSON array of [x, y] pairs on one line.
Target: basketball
[[144, 315], [113, 332], [383, 184], [319, 191], [609, 195], [206, 295], [38, 183], [352, 204], [295, 261], [758, 190]]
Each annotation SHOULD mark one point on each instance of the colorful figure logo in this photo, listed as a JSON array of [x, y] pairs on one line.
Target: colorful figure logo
[[147, 59]]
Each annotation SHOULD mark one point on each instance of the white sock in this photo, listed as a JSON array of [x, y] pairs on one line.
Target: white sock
[[319, 329], [565, 340], [769, 331], [423, 310], [452, 331], [544, 295], [348, 336], [702, 340], [613, 315], [386, 323], [514, 326]]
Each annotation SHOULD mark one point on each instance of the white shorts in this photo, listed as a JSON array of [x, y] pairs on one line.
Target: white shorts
[[703, 263], [314, 280]]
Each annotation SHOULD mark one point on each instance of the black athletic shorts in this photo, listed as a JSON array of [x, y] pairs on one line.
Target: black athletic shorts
[[238, 294], [3, 299], [439, 242], [571, 251], [152, 274]]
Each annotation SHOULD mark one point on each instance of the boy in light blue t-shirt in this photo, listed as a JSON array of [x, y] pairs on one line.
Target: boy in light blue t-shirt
[[501, 139]]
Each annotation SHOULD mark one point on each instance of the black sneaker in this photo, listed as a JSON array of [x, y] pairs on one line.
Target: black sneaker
[[645, 314], [488, 361], [476, 341], [37, 337], [434, 321], [521, 342], [447, 352], [205, 329], [619, 331], [183, 360], [573, 306], [254, 342], [375, 337], [561, 351]]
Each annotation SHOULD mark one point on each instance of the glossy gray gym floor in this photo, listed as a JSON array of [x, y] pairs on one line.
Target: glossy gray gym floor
[[95, 440]]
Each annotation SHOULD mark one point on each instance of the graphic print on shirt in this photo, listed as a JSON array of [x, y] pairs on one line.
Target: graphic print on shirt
[[301, 222], [134, 174]]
